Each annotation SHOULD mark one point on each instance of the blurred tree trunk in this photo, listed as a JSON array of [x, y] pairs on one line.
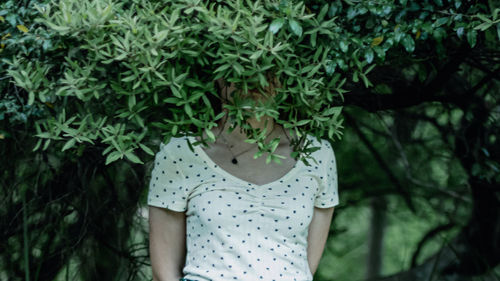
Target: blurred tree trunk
[[376, 237]]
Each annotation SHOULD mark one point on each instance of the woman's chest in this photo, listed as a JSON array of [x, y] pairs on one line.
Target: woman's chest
[[285, 206], [248, 169]]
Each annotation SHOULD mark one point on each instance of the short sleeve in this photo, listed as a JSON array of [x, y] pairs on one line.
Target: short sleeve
[[327, 195], [168, 187]]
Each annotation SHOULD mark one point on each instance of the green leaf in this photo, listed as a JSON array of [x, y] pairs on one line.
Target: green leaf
[[250, 140], [147, 149], [31, 98], [37, 146], [62, 29], [313, 39], [268, 159], [238, 67], [498, 30], [276, 25], [330, 68], [318, 53], [46, 144], [256, 55], [303, 122], [222, 67], [332, 111], [295, 27], [129, 78], [472, 37], [257, 154], [483, 17], [484, 26], [274, 144], [369, 55], [132, 157], [113, 156], [175, 91], [210, 134], [344, 46], [322, 13], [277, 160], [69, 144], [366, 82], [131, 101], [441, 21], [173, 100], [439, 33], [408, 43], [188, 110], [333, 10]]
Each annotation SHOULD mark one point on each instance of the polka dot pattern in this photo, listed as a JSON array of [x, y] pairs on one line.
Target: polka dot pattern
[[238, 230]]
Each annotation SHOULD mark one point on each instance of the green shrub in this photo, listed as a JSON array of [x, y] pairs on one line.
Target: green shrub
[[124, 71]]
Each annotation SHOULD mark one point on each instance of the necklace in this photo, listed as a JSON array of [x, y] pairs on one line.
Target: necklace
[[234, 160]]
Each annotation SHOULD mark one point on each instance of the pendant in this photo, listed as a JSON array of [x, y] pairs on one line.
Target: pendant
[[234, 161]]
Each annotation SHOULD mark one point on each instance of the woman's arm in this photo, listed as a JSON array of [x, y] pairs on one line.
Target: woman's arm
[[318, 233], [167, 243]]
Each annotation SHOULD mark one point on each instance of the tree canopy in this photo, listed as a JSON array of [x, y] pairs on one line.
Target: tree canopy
[[117, 72]]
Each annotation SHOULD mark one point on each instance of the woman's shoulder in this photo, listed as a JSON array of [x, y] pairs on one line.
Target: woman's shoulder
[[175, 143], [321, 142], [324, 147]]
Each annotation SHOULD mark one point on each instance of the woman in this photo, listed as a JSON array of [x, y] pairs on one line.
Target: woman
[[219, 214]]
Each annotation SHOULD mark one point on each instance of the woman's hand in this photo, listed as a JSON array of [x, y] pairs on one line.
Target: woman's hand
[[318, 233], [167, 243]]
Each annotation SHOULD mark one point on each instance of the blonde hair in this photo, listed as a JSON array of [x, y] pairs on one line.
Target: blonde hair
[[272, 80], [274, 83]]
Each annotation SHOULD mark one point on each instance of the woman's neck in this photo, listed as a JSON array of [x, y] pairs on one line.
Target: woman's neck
[[238, 135]]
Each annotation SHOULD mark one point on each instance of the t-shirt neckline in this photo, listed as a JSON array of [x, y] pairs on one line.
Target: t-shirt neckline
[[214, 166]]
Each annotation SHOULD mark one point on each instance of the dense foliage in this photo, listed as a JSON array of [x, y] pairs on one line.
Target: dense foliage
[[116, 73], [156, 63]]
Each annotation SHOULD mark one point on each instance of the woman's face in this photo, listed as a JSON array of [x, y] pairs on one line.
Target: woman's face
[[253, 94]]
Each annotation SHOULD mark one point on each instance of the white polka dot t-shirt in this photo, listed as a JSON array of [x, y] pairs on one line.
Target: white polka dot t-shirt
[[238, 230]]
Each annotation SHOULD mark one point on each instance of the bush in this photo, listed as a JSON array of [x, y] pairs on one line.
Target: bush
[[117, 73]]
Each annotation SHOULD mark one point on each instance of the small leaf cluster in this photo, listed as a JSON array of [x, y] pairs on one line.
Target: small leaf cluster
[[16, 37], [18, 32]]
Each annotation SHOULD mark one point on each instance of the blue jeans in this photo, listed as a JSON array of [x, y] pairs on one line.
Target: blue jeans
[[185, 279]]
